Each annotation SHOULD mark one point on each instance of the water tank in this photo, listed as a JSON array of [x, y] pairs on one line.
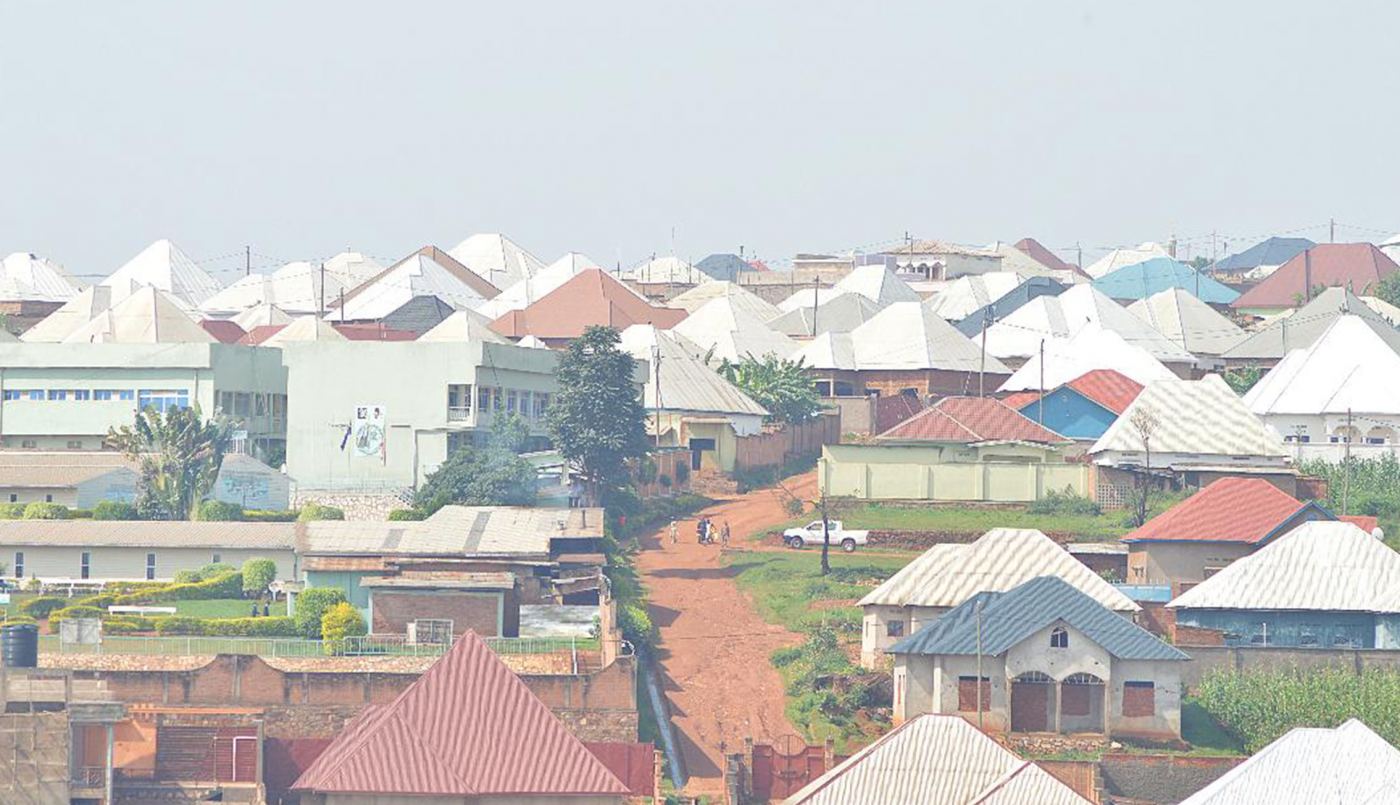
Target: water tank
[[19, 646]]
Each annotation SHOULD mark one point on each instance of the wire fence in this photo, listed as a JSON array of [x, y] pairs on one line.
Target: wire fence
[[365, 646]]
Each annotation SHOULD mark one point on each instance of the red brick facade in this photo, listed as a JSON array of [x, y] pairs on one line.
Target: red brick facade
[[488, 614]]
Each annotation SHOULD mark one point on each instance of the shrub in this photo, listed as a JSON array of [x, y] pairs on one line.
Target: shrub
[[311, 606], [80, 514], [218, 510], [11, 511], [1066, 502], [339, 622], [33, 585], [17, 620], [43, 605], [228, 584], [114, 510], [665, 481], [186, 576], [227, 627], [315, 511], [406, 514], [682, 473], [269, 516], [258, 573], [636, 626], [215, 569], [46, 511], [75, 611], [179, 625], [126, 624]]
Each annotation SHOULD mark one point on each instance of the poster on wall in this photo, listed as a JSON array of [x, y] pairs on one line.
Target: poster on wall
[[368, 432]]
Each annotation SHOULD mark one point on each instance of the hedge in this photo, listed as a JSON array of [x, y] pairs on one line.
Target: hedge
[[227, 627], [17, 620], [228, 585], [405, 514], [11, 511], [269, 516], [75, 611], [124, 624], [114, 510], [312, 605], [42, 606], [218, 510], [46, 511], [315, 511]]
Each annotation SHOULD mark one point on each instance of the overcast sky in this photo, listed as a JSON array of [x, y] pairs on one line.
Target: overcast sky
[[301, 128]]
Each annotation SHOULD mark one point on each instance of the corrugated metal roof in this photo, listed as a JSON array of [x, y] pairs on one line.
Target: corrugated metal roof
[[1242, 510], [966, 294], [840, 314], [496, 258], [1320, 565], [1091, 348], [710, 290], [20, 468], [455, 531], [74, 314], [1007, 618], [25, 277], [1346, 765], [1126, 256], [947, 575], [969, 420], [1188, 321], [1199, 417], [1113, 390], [149, 534], [147, 316], [443, 581], [1357, 266], [1044, 256], [1349, 368], [163, 265], [934, 760], [687, 383], [1286, 333], [1047, 317], [467, 727], [1269, 252], [590, 297], [1141, 280], [878, 284], [726, 327], [909, 336], [828, 351]]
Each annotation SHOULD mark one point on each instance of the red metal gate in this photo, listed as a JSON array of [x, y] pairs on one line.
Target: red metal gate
[[780, 770]]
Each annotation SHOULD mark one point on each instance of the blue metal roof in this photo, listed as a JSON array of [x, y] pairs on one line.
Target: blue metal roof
[[1142, 280], [1010, 617], [725, 267], [1271, 252], [1009, 302]]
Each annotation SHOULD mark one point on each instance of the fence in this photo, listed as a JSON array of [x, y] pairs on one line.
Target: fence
[[773, 448], [368, 645]]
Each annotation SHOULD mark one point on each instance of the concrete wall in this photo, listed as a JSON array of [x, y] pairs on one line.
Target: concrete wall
[[1006, 473], [1287, 629], [1244, 659], [112, 563], [875, 638], [1176, 562]]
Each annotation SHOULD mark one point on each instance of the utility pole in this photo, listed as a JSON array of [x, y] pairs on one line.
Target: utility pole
[[342, 305], [247, 260], [982, 369], [656, 370], [1040, 407], [1307, 274], [1298, 443], [1079, 255], [977, 613], [826, 535], [323, 292], [1346, 464], [816, 283], [1332, 230]]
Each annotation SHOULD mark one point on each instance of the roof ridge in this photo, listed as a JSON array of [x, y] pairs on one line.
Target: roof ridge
[[939, 407]]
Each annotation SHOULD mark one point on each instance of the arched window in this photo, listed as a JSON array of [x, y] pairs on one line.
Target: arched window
[[1380, 435], [1059, 638]]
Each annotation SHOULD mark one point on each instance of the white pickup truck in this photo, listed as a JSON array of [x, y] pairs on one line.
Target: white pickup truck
[[811, 534]]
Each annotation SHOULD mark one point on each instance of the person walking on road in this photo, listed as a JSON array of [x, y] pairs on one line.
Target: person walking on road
[[724, 536], [673, 532]]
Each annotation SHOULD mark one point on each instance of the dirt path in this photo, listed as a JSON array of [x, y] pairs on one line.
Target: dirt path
[[714, 648]]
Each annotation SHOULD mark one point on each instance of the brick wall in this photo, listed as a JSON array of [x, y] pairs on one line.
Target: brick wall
[[1160, 778], [1082, 776], [393, 611], [772, 448], [1157, 619]]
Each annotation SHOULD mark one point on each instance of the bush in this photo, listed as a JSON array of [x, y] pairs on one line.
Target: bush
[[126, 624], [186, 576], [11, 511], [43, 605], [1066, 502], [218, 510], [315, 511], [226, 627], [228, 584], [33, 585], [75, 611], [636, 626], [114, 510], [80, 514], [46, 511], [258, 573], [215, 569], [339, 622], [312, 605], [406, 514], [1260, 707], [269, 516], [17, 620]]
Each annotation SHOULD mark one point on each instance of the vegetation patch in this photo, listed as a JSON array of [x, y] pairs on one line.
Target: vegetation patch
[[1259, 707], [827, 695]]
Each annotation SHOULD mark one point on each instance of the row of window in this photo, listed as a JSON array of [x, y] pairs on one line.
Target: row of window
[[1139, 697], [494, 399], [247, 404], [85, 565], [159, 399]]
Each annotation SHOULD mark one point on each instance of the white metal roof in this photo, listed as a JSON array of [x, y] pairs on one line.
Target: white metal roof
[[878, 284], [970, 293], [528, 290], [163, 265], [149, 534], [295, 288], [696, 298], [907, 335], [29, 277], [1350, 367], [496, 259], [352, 268], [464, 325], [1020, 333], [729, 329], [74, 313], [1345, 765], [999, 560], [1121, 258], [840, 314], [415, 275], [304, 328], [808, 297], [1091, 348], [666, 269], [828, 351], [261, 316], [687, 384], [1320, 565], [1013, 259], [1191, 323], [455, 530], [1302, 327], [148, 316], [1199, 417], [936, 759], [1387, 311]]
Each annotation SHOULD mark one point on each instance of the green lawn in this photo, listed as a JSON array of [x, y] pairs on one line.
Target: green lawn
[[221, 608], [788, 588], [1204, 733]]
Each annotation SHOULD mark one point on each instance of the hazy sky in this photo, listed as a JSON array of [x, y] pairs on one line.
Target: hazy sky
[[302, 128]]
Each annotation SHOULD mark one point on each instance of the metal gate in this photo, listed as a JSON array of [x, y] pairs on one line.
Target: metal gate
[[782, 768]]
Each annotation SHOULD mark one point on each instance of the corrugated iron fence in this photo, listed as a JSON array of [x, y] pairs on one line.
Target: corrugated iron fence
[[780, 770]]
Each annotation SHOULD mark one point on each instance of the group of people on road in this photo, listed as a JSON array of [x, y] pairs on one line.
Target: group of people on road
[[706, 531]]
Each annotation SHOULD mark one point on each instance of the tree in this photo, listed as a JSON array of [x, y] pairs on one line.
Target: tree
[[258, 573], [779, 385], [1242, 378], [179, 455], [489, 475], [339, 622], [1389, 288], [1144, 422], [312, 605], [596, 419]]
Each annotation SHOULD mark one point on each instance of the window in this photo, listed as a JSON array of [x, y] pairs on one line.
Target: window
[[82, 394], [14, 498], [542, 405], [104, 395], [19, 564], [259, 405], [1139, 699], [894, 629], [511, 398], [58, 394], [126, 394], [85, 565], [28, 444], [217, 558], [163, 400], [75, 444], [483, 398], [968, 693], [150, 567], [48, 498], [1308, 636], [1059, 638], [498, 400]]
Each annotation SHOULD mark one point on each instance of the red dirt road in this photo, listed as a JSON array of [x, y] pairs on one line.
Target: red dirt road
[[714, 648]]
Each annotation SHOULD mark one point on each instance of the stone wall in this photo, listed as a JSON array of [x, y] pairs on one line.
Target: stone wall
[[356, 505], [1160, 778]]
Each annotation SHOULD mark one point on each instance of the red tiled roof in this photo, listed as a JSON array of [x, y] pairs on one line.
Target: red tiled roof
[[467, 728], [1361, 521], [1044, 256], [1358, 266], [1020, 399], [468, 277], [1230, 510], [590, 297], [259, 334], [223, 330], [1113, 390], [372, 332], [969, 420]]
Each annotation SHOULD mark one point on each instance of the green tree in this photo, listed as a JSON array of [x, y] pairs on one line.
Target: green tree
[[596, 419], [342, 621], [258, 573], [489, 475], [1242, 378], [778, 384], [312, 605], [179, 455], [1389, 288]]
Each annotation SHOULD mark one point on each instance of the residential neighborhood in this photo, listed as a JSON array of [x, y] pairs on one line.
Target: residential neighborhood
[[483, 404]]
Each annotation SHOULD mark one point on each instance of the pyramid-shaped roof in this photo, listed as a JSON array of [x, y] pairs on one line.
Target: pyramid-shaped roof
[[808, 297], [163, 265], [223, 330], [527, 291], [1386, 310], [1359, 267], [972, 292], [908, 336], [26, 277], [1114, 391], [469, 727], [1091, 348], [1141, 280], [417, 275], [665, 269], [462, 326], [878, 284], [261, 316], [728, 328], [295, 288], [726, 267], [591, 297], [687, 383], [496, 259], [828, 350], [147, 316], [1200, 418], [1188, 321], [1044, 256], [1305, 325], [1008, 303], [304, 328], [1046, 317], [1018, 262], [74, 313], [352, 268], [970, 420], [695, 298], [1349, 368], [1268, 252], [841, 314], [1126, 256], [1243, 510]]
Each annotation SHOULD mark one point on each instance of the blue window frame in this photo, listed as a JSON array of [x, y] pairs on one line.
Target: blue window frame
[[126, 394], [58, 394], [163, 399], [82, 394]]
